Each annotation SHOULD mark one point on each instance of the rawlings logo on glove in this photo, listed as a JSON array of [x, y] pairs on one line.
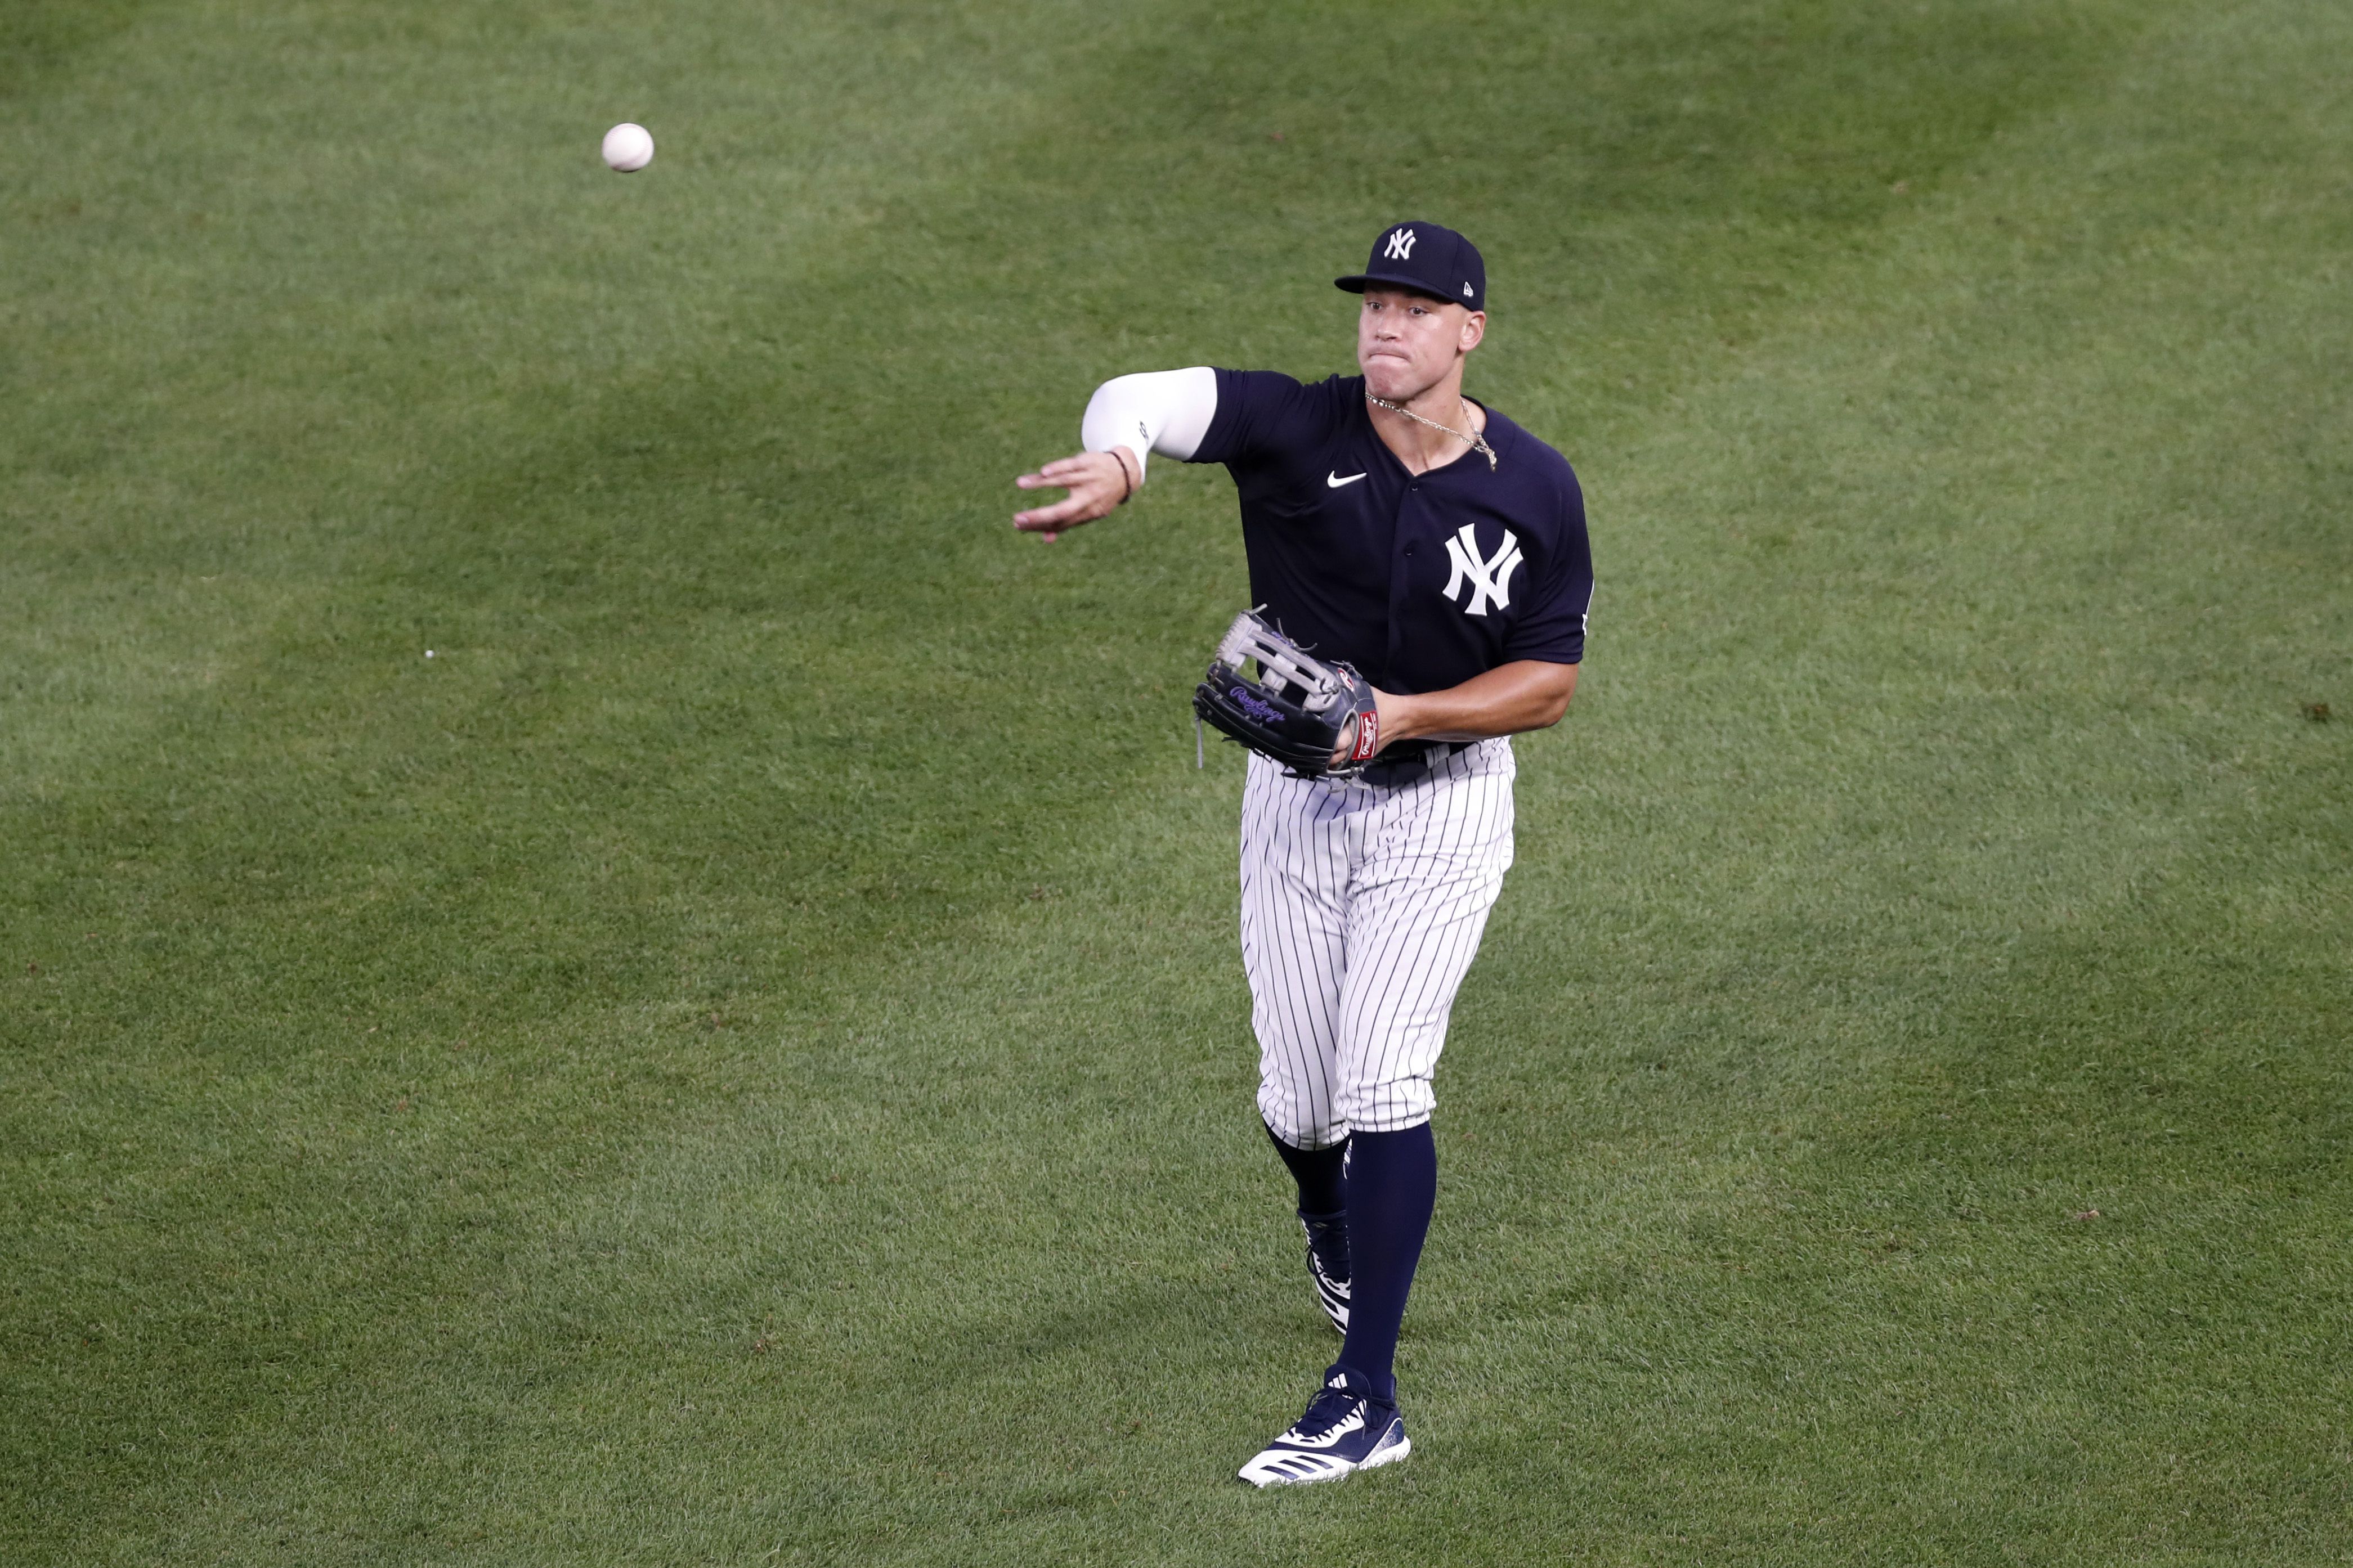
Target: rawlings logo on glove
[[1239, 693], [1298, 710]]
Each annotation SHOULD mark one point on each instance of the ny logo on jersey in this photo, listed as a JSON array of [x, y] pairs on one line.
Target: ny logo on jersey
[[1490, 580], [1400, 244]]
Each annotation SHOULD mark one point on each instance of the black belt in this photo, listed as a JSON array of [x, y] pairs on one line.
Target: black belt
[[1411, 763]]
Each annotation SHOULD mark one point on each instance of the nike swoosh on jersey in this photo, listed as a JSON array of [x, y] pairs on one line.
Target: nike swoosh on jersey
[[1333, 481]]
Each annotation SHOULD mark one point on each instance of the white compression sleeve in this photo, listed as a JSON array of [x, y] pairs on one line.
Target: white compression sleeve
[[1159, 411]]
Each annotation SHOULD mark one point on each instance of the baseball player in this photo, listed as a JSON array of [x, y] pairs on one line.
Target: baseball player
[[1440, 549]]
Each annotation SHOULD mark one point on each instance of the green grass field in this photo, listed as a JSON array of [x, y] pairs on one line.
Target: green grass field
[[741, 1057]]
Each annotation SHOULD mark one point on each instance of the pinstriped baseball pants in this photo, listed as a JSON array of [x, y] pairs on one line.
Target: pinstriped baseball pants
[[1362, 908]]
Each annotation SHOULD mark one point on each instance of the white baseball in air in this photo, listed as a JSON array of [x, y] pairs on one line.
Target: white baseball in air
[[628, 147]]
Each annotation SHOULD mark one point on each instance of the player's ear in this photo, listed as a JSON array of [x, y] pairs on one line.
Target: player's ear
[[1474, 330]]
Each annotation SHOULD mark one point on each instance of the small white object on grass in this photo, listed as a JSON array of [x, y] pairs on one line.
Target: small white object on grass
[[428, 653], [628, 147]]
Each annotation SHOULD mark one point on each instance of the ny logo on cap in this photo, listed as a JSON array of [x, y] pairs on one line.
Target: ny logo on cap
[[1490, 580], [1400, 244]]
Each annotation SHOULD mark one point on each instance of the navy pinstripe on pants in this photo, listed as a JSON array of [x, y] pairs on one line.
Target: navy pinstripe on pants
[[1361, 910]]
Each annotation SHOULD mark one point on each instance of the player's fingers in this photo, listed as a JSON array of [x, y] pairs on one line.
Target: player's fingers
[[1049, 516], [1064, 473], [1078, 507], [1060, 471], [1092, 496]]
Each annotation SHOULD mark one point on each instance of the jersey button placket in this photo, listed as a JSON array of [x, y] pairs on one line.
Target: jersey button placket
[[1406, 531]]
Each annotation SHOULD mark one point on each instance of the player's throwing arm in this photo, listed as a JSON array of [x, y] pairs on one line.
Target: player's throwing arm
[[1421, 575], [1126, 419]]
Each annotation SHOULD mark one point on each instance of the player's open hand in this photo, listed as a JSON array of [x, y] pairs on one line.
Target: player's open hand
[[1098, 483]]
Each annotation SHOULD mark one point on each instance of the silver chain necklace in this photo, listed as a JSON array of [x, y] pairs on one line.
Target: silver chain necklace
[[1478, 442]]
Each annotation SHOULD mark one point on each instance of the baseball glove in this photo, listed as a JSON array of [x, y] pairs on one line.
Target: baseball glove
[[1298, 709]]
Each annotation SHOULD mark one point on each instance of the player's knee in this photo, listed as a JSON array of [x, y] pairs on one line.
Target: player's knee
[[1387, 1105], [1299, 1121]]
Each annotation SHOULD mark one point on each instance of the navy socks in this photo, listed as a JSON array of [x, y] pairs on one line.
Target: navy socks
[[1387, 1183], [1318, 1173], [1392, 1185]]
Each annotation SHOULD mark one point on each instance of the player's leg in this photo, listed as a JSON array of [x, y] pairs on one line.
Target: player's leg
[[1294, 883], [1430, 875], [1429, 868], [1295, 860], [1320, 1176]]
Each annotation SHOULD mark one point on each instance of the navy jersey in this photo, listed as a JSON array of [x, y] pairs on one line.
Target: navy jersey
[[1422, 581]]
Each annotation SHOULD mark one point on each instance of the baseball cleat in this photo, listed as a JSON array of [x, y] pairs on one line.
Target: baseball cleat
[[1327, 1264], [1342, 1432]]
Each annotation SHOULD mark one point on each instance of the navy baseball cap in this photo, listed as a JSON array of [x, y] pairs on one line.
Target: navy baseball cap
[[1428, 258]]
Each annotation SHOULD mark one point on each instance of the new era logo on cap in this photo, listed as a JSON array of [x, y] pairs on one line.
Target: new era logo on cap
[[1428, 258]]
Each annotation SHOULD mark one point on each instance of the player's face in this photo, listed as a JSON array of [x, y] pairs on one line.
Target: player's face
[[1409, 343]]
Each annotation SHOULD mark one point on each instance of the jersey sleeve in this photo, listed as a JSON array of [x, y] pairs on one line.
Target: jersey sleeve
[[1260, 412], [1553, 628]]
